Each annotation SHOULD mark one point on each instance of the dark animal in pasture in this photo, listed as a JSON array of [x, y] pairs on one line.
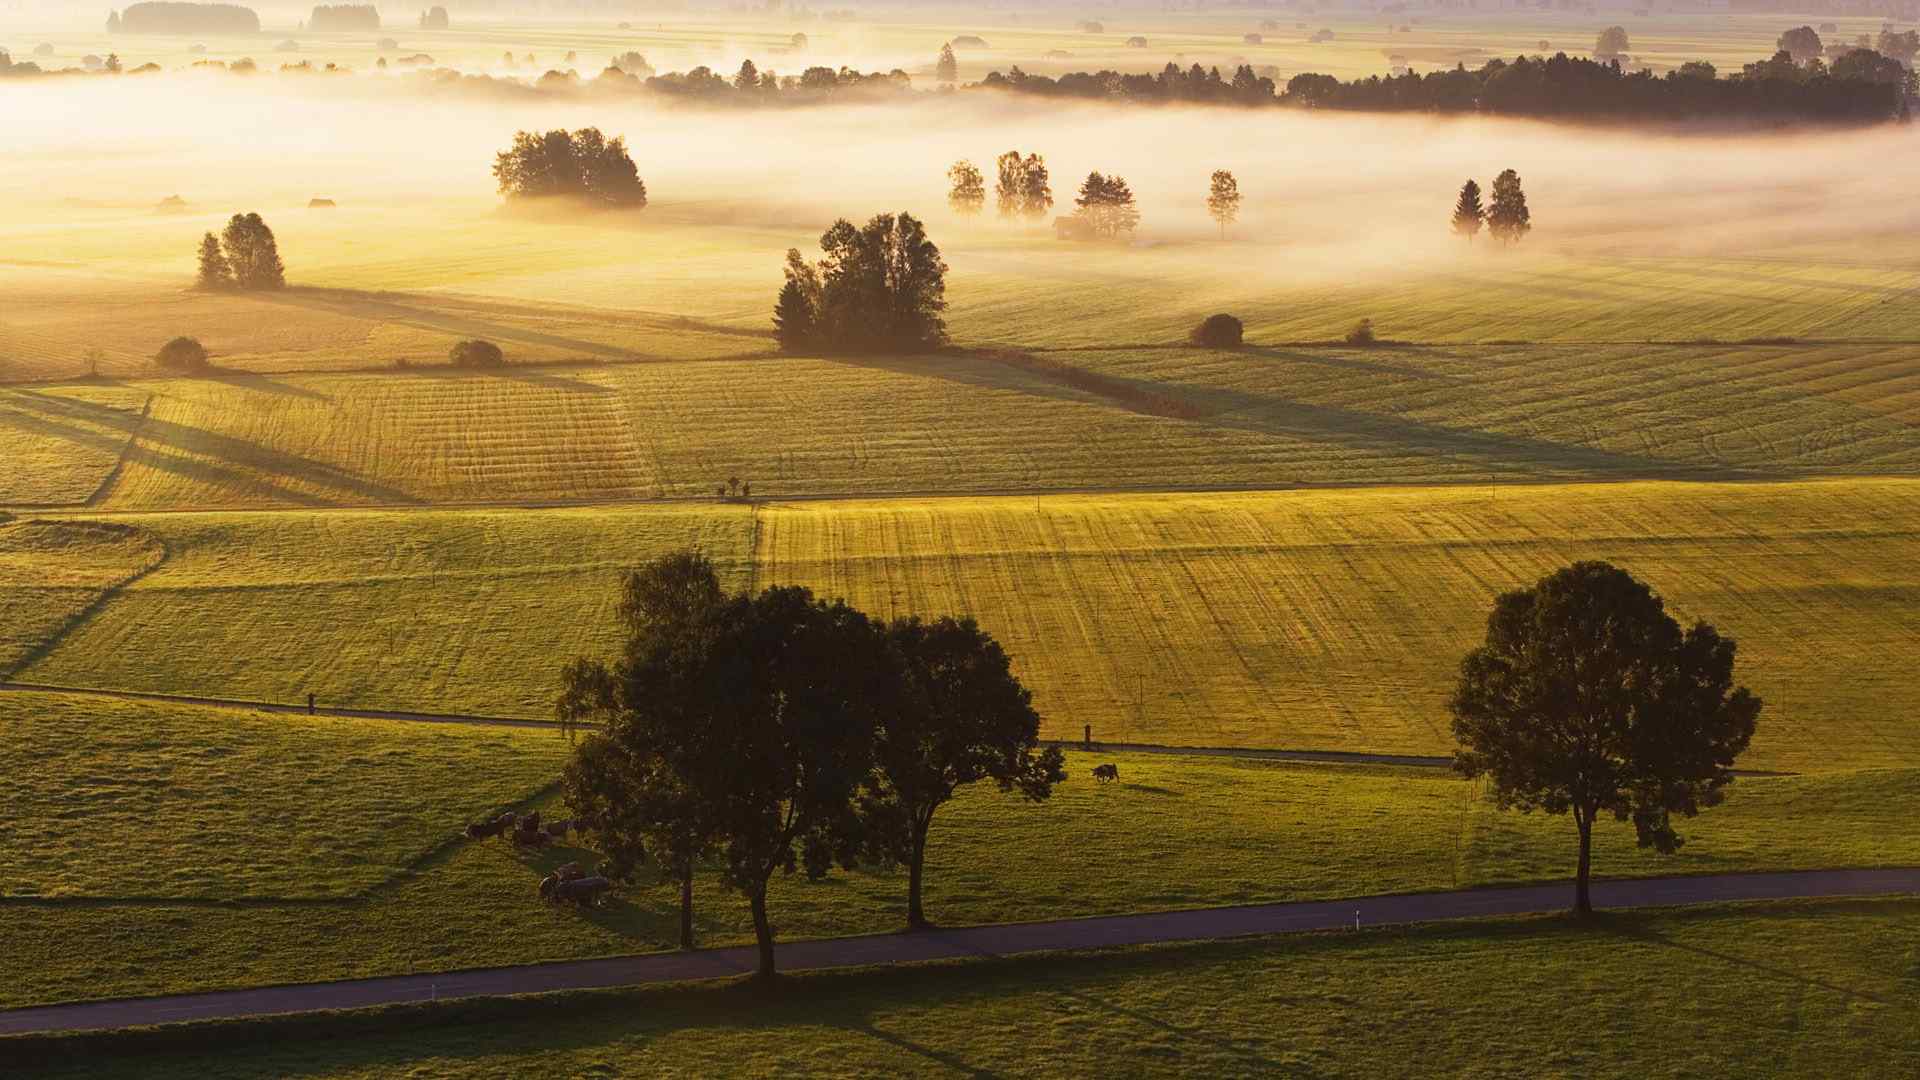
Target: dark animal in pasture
[[1106, 774], [480, 830], [584, 891]]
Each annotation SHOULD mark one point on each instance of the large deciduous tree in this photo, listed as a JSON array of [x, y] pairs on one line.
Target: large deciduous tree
[[1223, 199], [622, 781], [1023, 187], [877, 288], [1588, 698], [957, 715], [1802, 43], [1612, 44], [583, 165], [252, 253], [1508, 219], [968, 193], [1468, 215]]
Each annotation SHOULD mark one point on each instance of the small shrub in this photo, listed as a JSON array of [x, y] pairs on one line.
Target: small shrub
[[1217, 332], [1362, 334], [477, 354], [182, 354]]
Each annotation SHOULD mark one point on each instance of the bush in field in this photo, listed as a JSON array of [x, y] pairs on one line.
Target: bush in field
[[1217, 332], [477, 354], [182, 354], [575, 164], [1362, 334]]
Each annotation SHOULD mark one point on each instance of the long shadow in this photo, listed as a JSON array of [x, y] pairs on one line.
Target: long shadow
[[1316, 358], [170, 447], [1643, 933], [247, 380], [45, 646]]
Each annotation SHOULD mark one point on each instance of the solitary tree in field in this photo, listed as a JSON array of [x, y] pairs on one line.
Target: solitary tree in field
[[621, 782], [1508, 219], [1106, 205], [1223, 199], [214, 271], [252, 254], [182, 354], [947, 70], [1588, 698], [956, 715], [1612, 44], [1023, 188], [969, 191], [880, 287], [1468, 215]]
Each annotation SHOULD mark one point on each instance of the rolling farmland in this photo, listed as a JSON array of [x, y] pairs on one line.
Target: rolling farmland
[[1307, 620]]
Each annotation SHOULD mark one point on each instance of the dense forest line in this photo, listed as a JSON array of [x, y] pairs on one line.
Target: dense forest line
[[1857, 85]]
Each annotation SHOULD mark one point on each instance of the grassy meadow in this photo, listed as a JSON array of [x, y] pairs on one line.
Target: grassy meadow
[[191, 848], [1791, 989], [1301, 620]]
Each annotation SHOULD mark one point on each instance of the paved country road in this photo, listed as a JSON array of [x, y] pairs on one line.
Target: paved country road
[[995, 940]]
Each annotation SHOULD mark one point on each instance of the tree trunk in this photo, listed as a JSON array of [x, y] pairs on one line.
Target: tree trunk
[[916, 914], [1582, 894], [762, 931], [686, 905]]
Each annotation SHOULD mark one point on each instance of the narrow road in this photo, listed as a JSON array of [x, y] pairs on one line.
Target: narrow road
[[973, 941]]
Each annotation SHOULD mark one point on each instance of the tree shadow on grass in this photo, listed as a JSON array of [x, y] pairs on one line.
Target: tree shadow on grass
[[1638, 930]]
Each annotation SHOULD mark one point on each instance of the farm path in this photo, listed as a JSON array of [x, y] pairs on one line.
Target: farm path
[[973, 941]]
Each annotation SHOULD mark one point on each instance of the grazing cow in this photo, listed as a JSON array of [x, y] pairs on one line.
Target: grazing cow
[[1106, 774], [480, 830]]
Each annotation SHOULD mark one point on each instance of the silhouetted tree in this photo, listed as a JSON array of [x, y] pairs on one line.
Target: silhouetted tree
[[796, 315], [955, 715], [619, 782], [214, 271], [1802, 43], [252, 253], [1588, 698], [881, 287], [182, 354], [1468, 215], [1106, 206], [1612, 44], [946, 69], [969, 191], [1223, 199], [1362, 334], [1508, 218], [579, 164], [747, 78], [632, 63]]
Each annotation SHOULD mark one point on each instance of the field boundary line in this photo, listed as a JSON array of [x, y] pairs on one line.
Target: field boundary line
[[1350, 757], [45, 647], [986, 941]]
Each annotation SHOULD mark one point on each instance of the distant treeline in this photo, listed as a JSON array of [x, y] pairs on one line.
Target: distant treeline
[[1859, 85], [167, 17], [331, 17]]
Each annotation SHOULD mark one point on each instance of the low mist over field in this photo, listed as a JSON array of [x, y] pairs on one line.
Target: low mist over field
[[1333, 192]]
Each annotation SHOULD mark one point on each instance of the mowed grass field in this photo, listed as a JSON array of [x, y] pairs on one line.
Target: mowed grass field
[[1152, 418], [1786, 990], [51, 572], [1303, 620], [189, 848]]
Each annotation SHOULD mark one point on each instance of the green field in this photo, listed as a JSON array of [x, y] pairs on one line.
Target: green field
[[1788, 990], [1303, 620], [191, 848]]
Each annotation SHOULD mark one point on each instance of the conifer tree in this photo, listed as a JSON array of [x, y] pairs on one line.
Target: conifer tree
[[948, 69], [796, 315], [1468, 215], [214, 271]]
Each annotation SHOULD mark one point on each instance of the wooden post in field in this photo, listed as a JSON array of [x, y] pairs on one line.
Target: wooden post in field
[[1086, 737]]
